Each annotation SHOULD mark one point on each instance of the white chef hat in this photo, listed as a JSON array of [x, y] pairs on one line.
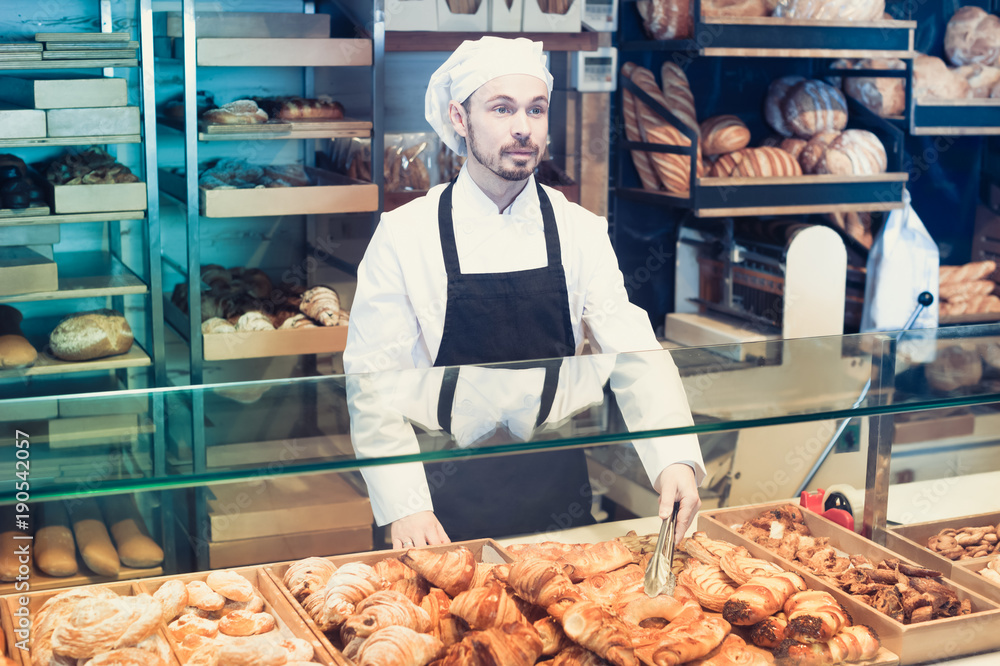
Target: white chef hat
[[470, 66]]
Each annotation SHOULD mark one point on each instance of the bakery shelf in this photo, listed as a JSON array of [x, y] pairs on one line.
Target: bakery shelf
[[278, 52], [261, 344], [135, 357], [449, 41], [69, 64], [85, 275], [17, 220], [296, 129], [958, 117], [333, 193], [42, 581], [71, 141]]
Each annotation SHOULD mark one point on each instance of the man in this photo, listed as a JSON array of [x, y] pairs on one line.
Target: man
[[494, 268]]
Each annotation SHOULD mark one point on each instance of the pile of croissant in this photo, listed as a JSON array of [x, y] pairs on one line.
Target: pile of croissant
[[906, 593], [565, 605]]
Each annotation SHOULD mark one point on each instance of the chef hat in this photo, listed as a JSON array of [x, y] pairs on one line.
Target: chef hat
[[470, 66]]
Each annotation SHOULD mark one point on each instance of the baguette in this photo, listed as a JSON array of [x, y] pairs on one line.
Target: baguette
[[135, 548], [92, 538], [55, 549]]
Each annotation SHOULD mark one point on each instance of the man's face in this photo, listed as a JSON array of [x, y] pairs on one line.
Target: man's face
[[508, 124]]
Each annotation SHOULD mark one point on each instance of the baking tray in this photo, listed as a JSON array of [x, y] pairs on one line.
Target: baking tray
[[940, 639], [279, 342], [911, 540], [288, 620], [103, 198], [484, 550]]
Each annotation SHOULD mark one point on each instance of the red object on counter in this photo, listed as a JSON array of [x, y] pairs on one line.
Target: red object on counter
[[814, 502]]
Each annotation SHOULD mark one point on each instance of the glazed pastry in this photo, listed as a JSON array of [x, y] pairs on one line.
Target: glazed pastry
[[704, 548], [595, 559], [741, 567], [545, 550], [596, 628], [851, 644], [734, 651], [129, 656], [513, 644], [398, 646], [608, 587], [306, 576], [709, 583], [99, 624], [384, 609], [321, 304], [414, 588], [392, 570], [683, 641], [554, 639], [770, 632], [346, 588], [814, 616], [761, 596], [189, 624], [452, 570], [485, 607], [574, 655], [246, 623], [543, 584]]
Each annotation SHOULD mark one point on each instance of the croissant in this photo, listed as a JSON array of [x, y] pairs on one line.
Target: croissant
[[596, 628], [349, 585], [814, 616], [414, 589], [514, 644], [485, 607], [392, 570], [735, 652], [708, 582], [321, 304], [484, 574], [544, 550], [544, 584], [383, 609], [682, 641], [398, 646], [554, 639], [607, 587], [446, 627], [577, 656], [452, 570], [741, 567], [595, 559], [700, 546], [761, 596], [857, 643], [769, 632]]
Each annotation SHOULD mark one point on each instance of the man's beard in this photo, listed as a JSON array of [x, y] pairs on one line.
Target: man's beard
[[493, 162]]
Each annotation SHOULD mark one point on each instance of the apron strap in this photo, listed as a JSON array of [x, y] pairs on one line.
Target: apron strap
[[552, 248], [446, 396]]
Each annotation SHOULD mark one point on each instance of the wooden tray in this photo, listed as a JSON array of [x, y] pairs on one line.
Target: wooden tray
[[911, 540], [288, 620], [14, 213], [484, 550], [36, 599], [280, 342], [10, 640], [945, 638], [42, 581]]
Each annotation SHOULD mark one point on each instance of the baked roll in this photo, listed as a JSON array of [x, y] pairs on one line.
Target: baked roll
[[238, 112], [776, 93], [972, 37], [666, 19], [855, 152], [813, 106], [723, 134]]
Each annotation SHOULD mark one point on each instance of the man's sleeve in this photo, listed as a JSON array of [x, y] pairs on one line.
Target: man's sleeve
[[382, 334], [647, 386]]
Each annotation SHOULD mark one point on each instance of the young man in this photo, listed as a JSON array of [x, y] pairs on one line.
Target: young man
[[495, 268]]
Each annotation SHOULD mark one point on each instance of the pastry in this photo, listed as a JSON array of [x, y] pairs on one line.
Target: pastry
[[306, 576], [399, 646], [322, 304], [238, 112], [200, 595], [452, 570], [972, 37], [770, 632], [595, 559], [984, 81], [723, 134], [852, 644], [486, 607], [231, 585], [814, 616], [189, 624], [385, 608], [761, 596], [129, 656], [254, 321], [685, 639], [93, 166], [810, 107], [346, 588], [216, 325], [173, 597], [513, 644], [543, 584], [88, 335], [245, 623]]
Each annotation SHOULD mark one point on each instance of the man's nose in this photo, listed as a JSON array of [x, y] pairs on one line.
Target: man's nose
[[520, 126]]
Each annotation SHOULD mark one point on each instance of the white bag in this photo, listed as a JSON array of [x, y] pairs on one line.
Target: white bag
[[902, 263]]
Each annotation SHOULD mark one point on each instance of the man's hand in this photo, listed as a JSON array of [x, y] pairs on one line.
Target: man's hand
[[417, 529], [676, 484]]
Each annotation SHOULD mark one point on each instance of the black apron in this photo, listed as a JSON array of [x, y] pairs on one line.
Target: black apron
[[506, 318]]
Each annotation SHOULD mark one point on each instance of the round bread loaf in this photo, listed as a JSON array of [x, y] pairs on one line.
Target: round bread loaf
[[933, 80], [666, 19], [238, 112], [884, 96], [723, 134], [794, 147], [954, 368], [16, 352], [854, 153], [850, 10], [984, 81], [719, 8], [813, 151], [812, 106], [88, 335], [725, 165], [972, 36], [772, 103]]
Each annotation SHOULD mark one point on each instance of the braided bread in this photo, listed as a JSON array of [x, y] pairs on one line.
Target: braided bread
[[761, 596]]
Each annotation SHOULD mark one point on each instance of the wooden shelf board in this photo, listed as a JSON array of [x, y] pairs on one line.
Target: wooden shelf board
[[449, 41], [48, 365], [70, 140], [881, 24], [69, 64], [85, 275], [312, 129], [799, 210], [955, 131], [284, 342], [26, 220], [42, 581], [734, 52]]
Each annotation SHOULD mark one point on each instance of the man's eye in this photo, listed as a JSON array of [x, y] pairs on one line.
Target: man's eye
[[502, 109], [538, 111]]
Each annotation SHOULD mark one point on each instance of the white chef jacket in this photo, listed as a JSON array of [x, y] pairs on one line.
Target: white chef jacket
[[397, 321]]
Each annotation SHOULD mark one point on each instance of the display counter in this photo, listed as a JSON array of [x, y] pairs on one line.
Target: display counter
[[235, 475]]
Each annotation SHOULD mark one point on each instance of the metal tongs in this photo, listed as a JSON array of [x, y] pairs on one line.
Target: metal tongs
[[660, 577]]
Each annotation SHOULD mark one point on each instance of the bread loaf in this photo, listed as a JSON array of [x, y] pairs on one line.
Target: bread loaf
[[135, 547], [933, 80], [884, 96], [972, 36], [812, 106], [15, 350], [794, 147], [723, 134], [960, 290], [300, 108], [767, 162], [854, 153], [814, 150], [954, 368], [89, 335], [850, 10], [643, 165], [726, 164], [666, 19], [677, 94], [55, 549], [773, 112], [238, 112], [721, 8], [976, 270], [972, 305], [984, 81], [92, 537]]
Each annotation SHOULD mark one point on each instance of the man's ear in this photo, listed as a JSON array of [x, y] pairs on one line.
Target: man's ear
[[459, 119]]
